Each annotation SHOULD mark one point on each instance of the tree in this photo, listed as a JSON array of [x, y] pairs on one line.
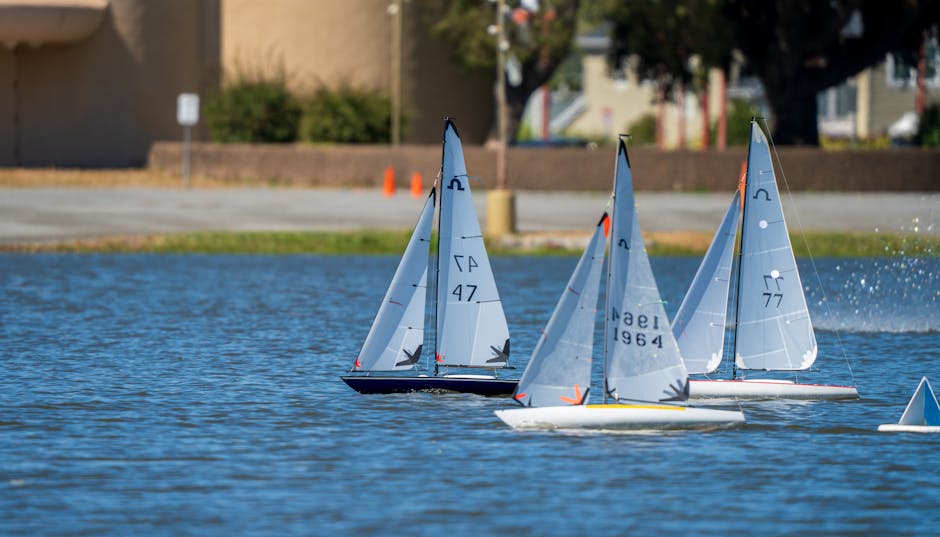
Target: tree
[[540, 40], [800, 47], [663, 36], [796, 47]]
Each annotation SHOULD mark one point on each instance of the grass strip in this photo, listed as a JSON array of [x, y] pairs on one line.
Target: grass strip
[[384, 242]]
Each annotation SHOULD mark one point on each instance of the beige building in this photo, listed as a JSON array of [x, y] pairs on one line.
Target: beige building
[[95, 82], [867, 105], [863, 107], [614, 101]]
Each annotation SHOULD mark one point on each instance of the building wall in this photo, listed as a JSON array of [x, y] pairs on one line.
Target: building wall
[[335, 42], [560, 169], [888, 102], [102, 101], [615, 104]]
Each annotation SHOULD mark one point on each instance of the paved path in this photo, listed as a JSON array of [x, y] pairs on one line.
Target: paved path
[[53, 214]]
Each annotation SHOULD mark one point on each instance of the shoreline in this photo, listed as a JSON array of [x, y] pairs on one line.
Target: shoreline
[[392, 242]]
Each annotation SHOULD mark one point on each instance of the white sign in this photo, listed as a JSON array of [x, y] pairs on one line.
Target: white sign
[[187, 109]]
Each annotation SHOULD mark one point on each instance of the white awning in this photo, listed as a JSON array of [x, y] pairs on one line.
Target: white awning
[[37, 22]]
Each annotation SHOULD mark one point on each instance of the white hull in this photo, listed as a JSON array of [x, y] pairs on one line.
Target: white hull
[[766, 389], [619, 416], [896, 428]]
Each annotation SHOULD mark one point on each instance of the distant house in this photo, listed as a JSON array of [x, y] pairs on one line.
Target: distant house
[[612, 101], [864, 106], [870, 103]]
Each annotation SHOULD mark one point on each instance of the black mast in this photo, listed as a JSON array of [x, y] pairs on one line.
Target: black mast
[[737, 293]]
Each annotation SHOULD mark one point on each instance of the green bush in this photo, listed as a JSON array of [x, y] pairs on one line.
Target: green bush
[[259, 110], [643, 130], [739, 121], [347, 115], [928, 132]]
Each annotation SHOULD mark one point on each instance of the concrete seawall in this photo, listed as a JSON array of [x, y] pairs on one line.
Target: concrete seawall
[[557, 169]]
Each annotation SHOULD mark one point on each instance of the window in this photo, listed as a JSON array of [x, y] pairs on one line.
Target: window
[[901, 73]]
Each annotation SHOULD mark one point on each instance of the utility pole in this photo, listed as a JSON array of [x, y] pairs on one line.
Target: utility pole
[[501, 202], [502, 45], [395, 11]]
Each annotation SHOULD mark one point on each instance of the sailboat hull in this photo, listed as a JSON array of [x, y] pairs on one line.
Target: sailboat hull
[[897, 428], [766, 389], [453, 384], [620, 417]]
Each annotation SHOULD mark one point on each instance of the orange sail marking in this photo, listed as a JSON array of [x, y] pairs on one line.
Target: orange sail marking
[[577, 397]]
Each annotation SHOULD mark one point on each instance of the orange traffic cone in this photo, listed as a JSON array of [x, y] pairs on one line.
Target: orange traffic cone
[[416, 188], [388, 186]]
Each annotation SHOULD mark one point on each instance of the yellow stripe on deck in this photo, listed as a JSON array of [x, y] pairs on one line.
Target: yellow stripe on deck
[[651, 407]]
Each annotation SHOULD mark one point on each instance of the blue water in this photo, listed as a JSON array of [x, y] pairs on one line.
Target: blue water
[[199, 395]]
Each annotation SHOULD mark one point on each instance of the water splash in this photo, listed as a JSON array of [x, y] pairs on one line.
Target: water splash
[[894, 294]]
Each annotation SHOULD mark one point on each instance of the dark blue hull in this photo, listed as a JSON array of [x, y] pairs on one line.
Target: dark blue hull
[[390, 384]]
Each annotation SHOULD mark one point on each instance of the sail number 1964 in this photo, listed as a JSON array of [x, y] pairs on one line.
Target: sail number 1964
[[631, 329]]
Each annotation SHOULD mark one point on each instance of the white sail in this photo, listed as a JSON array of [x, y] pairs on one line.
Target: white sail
[[471, 325], [922, 408], [774, 331], [641, 355], [699, 325], [559, 371], [397, 334]]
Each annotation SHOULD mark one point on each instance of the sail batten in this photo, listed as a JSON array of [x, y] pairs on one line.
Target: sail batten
[[774, 330]]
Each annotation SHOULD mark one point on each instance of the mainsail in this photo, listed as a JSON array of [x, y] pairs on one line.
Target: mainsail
[[471, 325], [699, 325], [642, 357], [559, 371], [397, 334], [774, 331]]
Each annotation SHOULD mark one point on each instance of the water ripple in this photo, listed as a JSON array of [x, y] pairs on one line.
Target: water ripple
[[199, 395]]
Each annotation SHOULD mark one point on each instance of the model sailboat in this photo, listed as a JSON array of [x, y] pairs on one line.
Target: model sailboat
[[643, 370], [922, 414], [471, 329], [772, 329]]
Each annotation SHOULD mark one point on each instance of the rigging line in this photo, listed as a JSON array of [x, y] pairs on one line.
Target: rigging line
[[812, 259]]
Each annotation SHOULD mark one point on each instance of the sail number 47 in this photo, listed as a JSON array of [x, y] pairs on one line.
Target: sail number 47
[[471, 263], [464, 288]]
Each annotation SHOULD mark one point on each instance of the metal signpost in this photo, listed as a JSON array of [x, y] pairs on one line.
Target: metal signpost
[[187, 115]]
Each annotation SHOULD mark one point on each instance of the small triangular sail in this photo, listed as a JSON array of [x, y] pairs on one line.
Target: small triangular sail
[[559, 371], [395, 339], [922, 408], [471, 326], [699, 325], [642, 357], [774, 331]]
